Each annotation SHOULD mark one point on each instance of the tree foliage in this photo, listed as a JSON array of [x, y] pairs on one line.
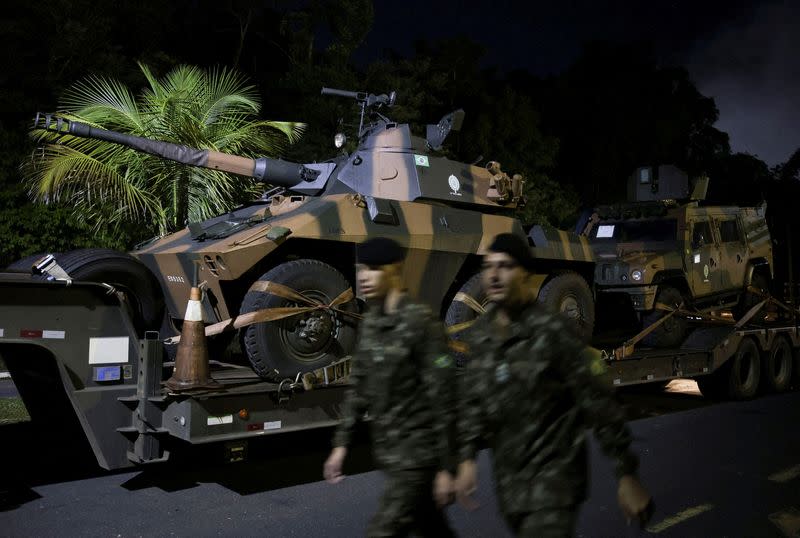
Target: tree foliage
[[109, 184]]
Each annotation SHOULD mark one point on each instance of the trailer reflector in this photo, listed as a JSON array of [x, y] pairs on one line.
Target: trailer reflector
[[1, 333], [274, 425], [30, 333], [255, 427]]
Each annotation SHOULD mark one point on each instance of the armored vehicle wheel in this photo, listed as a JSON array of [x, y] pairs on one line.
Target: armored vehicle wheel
[[569, 294], [306, 341], [673, 331], [121, 270], [460, 312], [744, 371], [777, 365]]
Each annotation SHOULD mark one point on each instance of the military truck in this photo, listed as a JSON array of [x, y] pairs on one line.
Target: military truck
[[301, 235], [664, 248]]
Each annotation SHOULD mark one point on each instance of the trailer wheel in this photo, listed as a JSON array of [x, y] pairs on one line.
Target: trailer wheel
[[569, 295], [744, 371], [673, 331], [459, 312], [303, 342], [777, 365]]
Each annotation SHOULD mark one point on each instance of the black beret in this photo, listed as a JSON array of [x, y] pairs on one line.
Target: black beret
[[379, 251], [514, 246]]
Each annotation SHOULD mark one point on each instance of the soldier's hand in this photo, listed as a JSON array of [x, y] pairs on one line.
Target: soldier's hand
[[466, 484], [634, 500], [332, 470], [443, 489]]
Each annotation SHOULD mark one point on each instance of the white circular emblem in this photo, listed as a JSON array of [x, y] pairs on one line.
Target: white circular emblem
[[455, 184], [705, 271]]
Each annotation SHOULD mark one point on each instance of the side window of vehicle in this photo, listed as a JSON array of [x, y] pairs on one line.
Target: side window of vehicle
[[701, 234], [729, 231]]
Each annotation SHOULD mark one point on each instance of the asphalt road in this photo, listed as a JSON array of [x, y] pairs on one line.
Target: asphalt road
[[730, 469]]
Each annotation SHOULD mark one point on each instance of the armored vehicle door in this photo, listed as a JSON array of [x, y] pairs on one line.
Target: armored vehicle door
[[733, 252], [702, 265]]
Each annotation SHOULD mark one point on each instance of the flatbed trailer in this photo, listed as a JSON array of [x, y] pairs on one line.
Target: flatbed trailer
[[73, 352], [728, 360], [71, 348]]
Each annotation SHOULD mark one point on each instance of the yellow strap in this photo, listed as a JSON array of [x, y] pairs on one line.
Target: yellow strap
[[279, 312], [470, 302]]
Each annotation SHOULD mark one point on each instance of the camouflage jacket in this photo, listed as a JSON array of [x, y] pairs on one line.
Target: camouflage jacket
[[404, 380], [530, 393]]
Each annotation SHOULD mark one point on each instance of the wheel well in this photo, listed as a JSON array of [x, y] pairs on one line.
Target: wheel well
[[673, 278], [759, 266], [338, 254], [471, 267]]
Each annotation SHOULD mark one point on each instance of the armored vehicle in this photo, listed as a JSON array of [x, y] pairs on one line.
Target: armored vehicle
[[664, 247], [287, 260]]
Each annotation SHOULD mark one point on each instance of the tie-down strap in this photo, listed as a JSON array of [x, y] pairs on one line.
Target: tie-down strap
[[278, 312]]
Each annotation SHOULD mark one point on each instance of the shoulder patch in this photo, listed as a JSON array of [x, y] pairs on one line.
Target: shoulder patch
[[443, 361], [594, 356]]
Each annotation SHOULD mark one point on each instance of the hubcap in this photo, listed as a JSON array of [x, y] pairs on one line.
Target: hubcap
[[308, 336], [570, 307]]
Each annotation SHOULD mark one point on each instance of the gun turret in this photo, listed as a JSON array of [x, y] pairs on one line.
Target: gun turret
[[273, 171]]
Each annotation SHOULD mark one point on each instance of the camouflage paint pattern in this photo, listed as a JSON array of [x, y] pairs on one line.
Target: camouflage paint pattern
[[393, 185], [407, 507], [530, 391], [404, 378], [716, 271]]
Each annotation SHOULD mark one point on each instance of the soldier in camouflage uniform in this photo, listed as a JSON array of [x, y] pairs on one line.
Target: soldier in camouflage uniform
[[530, 391], [404, 378]]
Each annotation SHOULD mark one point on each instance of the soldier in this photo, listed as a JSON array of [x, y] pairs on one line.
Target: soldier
[[403, 377], [530, 390]]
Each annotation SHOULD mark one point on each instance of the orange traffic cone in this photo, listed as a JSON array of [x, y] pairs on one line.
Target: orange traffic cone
[[191, 361]]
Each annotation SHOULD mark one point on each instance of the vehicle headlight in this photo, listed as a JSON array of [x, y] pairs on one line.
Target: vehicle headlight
[[636, 275], [339, 140]]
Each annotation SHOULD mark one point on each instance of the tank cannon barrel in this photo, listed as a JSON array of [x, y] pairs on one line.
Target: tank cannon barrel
[[272, 171]]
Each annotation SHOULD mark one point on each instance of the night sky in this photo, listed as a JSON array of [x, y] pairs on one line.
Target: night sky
[[741, 53]]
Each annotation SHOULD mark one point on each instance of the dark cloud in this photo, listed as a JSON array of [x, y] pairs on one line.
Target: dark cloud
[[751, 69]]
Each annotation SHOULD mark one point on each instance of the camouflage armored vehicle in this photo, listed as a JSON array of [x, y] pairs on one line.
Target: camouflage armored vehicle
[[295, 246], [656, 249]]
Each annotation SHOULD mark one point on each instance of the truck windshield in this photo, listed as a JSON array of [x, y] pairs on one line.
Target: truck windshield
[[635, 230]]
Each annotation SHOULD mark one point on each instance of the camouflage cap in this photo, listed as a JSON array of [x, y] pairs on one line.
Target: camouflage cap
[[514, 246], [379, 251]]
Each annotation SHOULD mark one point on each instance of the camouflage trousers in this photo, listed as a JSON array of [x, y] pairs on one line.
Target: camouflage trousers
[[407, 507], [545, 523]]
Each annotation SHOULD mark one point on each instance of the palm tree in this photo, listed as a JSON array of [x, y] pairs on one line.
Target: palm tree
[[109, 185]]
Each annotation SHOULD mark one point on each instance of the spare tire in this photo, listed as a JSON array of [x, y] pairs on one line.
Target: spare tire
[[127, 274], [568, 294]]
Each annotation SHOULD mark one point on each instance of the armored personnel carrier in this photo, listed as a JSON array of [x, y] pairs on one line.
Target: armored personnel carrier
[[289, 257], [664, 247]]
